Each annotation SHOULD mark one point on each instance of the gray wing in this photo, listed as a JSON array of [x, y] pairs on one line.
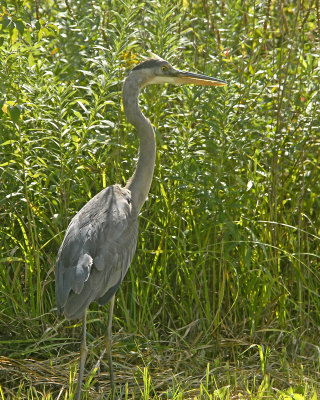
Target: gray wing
[[96, 251]]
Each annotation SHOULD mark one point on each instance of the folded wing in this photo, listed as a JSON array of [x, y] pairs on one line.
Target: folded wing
[[96, 252]]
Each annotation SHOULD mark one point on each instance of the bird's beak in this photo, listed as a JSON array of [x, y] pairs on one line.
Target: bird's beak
[[182, 77]]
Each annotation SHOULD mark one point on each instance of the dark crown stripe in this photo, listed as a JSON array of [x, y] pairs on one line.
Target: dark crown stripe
[[147, 64]]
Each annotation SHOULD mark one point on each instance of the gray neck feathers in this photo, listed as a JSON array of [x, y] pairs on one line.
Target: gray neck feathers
[[140, 182]]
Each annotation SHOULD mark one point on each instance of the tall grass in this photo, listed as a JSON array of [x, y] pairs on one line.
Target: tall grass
[[227, 265]]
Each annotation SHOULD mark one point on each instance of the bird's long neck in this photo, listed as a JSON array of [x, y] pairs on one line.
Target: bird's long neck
[[140, 182]]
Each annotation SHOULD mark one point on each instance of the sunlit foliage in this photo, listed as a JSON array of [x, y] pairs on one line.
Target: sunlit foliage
[[229, 250]]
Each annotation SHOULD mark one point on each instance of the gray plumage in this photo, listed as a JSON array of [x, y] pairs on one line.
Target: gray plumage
[[101, 239], [96, 252]]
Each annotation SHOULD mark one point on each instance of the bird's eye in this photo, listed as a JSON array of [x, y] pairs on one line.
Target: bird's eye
[[164, 68]]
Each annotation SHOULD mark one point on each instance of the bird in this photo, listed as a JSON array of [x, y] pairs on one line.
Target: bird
[[101, 239]]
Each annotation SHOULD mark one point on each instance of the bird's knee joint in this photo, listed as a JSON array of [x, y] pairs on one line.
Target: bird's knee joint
[[108, 343], [83, 349]]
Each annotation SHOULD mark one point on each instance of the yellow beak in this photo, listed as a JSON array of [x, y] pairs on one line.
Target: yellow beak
[[182, 77]]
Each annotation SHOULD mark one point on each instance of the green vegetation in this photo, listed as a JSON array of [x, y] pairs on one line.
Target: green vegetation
[[222, 299]]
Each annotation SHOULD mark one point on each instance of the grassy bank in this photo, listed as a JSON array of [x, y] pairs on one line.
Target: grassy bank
[[222, 298]]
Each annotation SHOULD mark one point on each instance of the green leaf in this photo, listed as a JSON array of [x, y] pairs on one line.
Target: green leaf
[[7, 142], [20, 26], [14, 35], [31, 60], [14, 112], [27, 36], [6, 21]]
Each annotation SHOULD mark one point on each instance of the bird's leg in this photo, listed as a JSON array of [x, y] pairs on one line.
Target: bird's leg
[[83, 355], [108, 339]]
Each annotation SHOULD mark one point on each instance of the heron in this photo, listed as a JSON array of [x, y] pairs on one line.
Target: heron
[[101, 239]]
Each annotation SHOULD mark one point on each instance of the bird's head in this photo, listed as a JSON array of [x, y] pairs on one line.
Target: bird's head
[[158, 71]]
